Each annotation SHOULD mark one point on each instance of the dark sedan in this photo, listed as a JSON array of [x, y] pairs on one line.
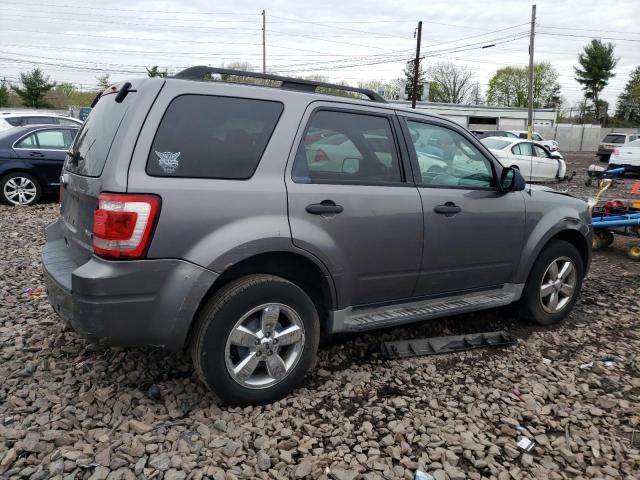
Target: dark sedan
[[31, 160]]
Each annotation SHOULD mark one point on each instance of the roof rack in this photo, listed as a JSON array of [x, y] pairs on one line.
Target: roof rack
[[288, 83]]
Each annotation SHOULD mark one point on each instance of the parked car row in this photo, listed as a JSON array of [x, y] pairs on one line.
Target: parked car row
[[33, 147]]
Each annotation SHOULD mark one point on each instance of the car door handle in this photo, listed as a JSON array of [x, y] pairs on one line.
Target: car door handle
[[323, 208], [36, 154], [448, 208]]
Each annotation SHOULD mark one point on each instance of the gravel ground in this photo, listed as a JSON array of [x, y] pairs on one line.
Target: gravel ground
[[71, 410]]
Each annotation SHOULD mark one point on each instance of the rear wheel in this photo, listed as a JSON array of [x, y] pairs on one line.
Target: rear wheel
[[19, 188], [554, 284], [255, 340]]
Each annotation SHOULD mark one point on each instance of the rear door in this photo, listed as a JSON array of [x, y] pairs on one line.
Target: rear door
[[46, 149], [354, 206]]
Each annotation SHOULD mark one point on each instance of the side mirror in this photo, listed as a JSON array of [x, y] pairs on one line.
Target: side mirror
[[555, 154], [512, 180]]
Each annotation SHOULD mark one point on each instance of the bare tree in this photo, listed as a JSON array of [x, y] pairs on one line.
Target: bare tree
[[453, 84]]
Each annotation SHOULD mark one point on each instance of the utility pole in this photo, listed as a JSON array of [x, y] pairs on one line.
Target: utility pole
[[416, 66], [533, 34], [264, 44]]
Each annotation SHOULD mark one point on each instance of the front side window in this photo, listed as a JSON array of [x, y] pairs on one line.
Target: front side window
[[446, 158], [344, 147], [541, 151], [204, 136]]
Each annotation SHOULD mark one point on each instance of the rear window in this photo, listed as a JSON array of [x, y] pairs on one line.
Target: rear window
[[94, 140], [614, 139], [203, 136], [14, 121], [494, 143]]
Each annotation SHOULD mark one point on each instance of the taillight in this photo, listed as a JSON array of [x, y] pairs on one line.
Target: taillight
[[122, 224], [321, 156]]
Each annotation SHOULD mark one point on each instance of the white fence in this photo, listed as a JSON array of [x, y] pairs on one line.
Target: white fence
[[579, 138]]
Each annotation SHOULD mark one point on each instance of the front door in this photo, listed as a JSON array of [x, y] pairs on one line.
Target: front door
[[473, 233], [352, 206]]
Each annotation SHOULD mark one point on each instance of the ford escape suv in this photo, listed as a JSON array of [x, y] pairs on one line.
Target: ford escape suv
[[240, 222]]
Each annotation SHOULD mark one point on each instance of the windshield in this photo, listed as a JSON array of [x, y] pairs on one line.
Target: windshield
[[613, 139], [494, 143]]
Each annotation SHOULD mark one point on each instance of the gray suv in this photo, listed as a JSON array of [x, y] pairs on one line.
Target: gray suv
[[242, 222]]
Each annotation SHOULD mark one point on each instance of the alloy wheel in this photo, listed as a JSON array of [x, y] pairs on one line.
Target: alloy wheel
[[558, 285], [20, 191], [264, 346]]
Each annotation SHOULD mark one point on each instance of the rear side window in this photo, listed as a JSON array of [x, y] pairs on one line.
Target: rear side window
[[93, 142], [203, 136], [14, 121], [613, 139]]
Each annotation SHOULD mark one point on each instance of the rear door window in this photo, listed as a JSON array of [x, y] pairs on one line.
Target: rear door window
[[204, 136], [94, 140], [357, 149]]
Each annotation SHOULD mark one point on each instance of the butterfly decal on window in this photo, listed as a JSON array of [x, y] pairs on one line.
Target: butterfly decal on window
[[168, 161]]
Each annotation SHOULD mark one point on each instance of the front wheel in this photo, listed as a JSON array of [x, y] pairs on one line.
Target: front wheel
[[554, 284], [255, 340]]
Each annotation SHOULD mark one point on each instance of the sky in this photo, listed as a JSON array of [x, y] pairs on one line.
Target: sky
[[77, 40]]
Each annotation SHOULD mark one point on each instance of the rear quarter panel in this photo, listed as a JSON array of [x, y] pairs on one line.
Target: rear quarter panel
[[216, 223]]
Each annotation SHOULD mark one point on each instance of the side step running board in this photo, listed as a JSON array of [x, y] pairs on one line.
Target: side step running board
[[437, 345], [363, 319]]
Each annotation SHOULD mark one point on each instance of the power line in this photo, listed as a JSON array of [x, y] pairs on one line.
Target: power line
[[552, 34], [589, 30], [173, 12]]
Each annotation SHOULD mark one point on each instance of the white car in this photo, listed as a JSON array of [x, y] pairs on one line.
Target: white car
[[535, 162], [18, 119], [627, 156], [550, 144]]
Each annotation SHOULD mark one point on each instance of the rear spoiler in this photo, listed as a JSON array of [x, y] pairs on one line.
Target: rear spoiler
[[122, 90]]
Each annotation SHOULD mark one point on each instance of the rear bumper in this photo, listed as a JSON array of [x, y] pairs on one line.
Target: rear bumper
[[124, 303], [626, 166]]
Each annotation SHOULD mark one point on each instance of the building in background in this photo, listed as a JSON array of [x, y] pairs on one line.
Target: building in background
[[481, 117]]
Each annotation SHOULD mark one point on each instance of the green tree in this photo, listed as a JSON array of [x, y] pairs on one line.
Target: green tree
[[35, 87], [104, 81], [596, 68], [67, 89], [509, 86], [155, 71], [628, 106], [4, 93], [409, 73]]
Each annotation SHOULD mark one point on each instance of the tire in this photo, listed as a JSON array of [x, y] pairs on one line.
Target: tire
[[248, 302], [601, 239], [540, 309], [19, 188], [633, 253]]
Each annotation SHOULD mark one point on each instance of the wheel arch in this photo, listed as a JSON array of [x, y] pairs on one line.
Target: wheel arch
[[295, 267], [570, 235]]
